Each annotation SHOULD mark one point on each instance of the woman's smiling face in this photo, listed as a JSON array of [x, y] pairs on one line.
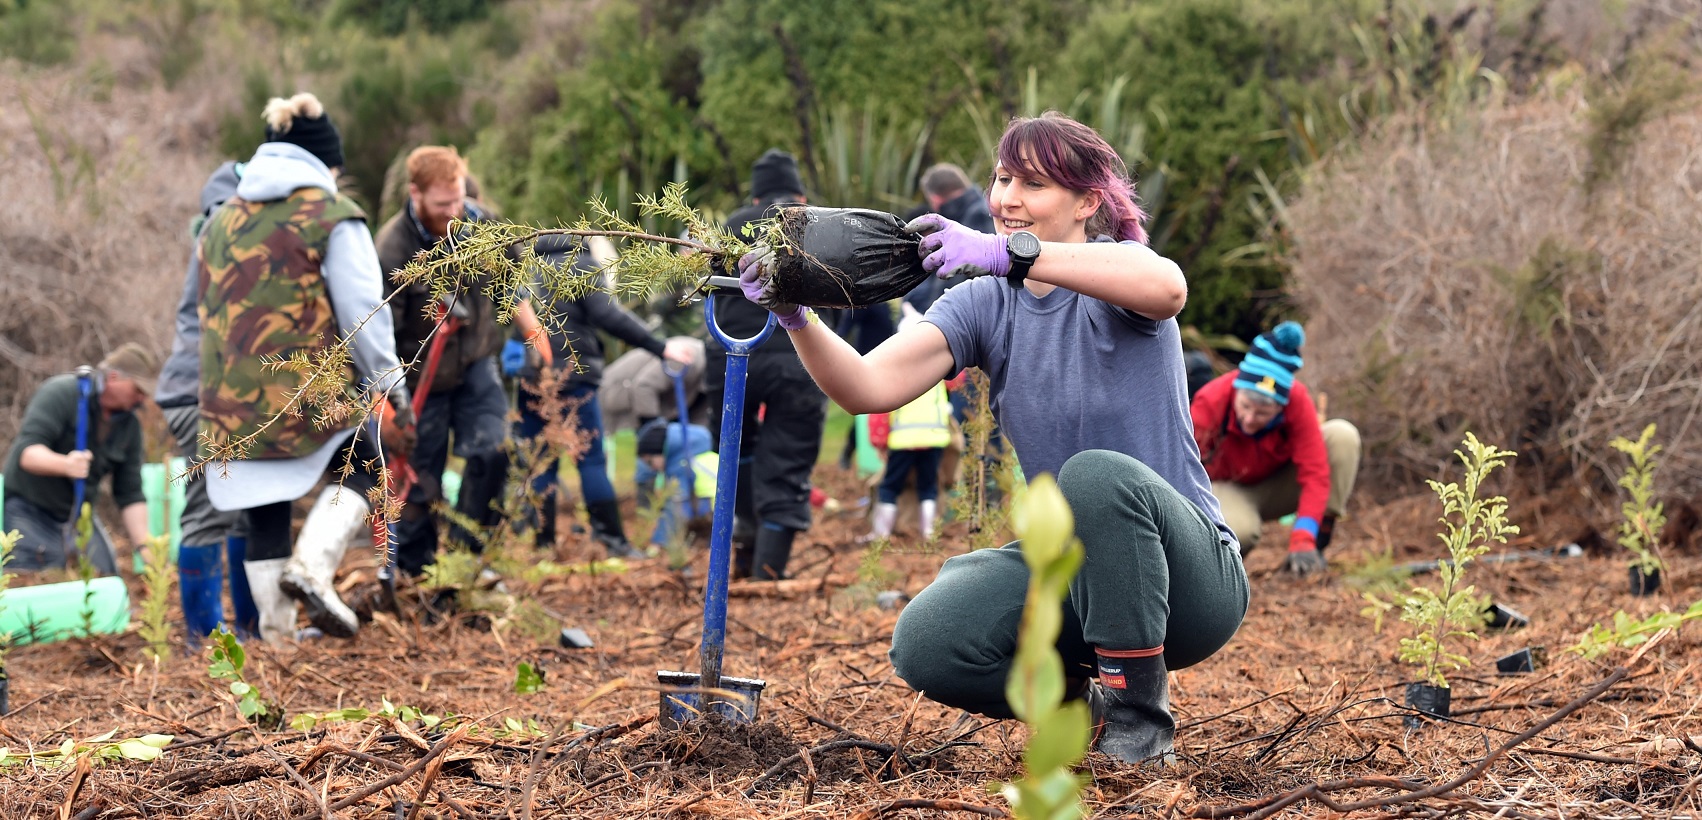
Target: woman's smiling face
[[1040, 206]]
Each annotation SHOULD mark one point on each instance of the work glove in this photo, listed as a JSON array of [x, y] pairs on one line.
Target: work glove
[[949, 249], [755, 271], [1303, 555], [397, 428], [513, 357]]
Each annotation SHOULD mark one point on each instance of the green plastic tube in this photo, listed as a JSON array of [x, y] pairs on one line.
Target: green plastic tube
[[51, 612], [451, 487], [165, 501]]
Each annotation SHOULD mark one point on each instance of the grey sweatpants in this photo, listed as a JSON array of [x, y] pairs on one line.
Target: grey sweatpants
[[1157, 572], [203, 524]]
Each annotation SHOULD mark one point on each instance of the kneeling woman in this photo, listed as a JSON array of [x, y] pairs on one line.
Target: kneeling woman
[[1074, 326]]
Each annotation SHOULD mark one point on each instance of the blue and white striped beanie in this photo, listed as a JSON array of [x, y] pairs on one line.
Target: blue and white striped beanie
[[1269, 367]]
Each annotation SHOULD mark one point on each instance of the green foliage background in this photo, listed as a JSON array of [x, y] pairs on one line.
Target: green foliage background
[[1216, 104]]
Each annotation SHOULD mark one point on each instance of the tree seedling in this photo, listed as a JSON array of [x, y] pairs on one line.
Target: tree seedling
[[1059, 733], [228, 659], [8, 542], [1626, 632], [1642, 517], [1453, 611], [528, 679], [157, 579]]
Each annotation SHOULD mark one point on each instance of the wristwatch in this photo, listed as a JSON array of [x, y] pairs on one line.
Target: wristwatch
[[1024, 248]]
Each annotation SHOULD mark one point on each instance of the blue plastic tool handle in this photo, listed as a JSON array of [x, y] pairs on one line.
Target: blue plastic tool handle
[[726, 485], [84, 386]]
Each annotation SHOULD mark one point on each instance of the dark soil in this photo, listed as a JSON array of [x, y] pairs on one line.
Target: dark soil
[[1306, 693]]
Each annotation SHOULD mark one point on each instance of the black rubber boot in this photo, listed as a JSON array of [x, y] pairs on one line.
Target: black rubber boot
[[773, 550], [744, 546], [482, 482], [1131, 709], [544, 537], [606, 527]]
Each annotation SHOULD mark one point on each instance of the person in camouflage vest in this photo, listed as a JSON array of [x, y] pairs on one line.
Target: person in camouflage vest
[[285, 268]]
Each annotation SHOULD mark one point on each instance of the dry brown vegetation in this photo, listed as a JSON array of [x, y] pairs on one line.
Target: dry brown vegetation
[[1461, 276], [99, 186]]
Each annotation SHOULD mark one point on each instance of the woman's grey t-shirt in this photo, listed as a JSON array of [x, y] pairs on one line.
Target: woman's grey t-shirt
[[1073, 373]]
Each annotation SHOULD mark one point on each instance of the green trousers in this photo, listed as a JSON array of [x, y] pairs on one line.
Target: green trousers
[[1156, 573]]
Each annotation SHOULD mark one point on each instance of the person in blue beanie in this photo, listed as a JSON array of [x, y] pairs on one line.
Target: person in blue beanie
[[1269, 455]]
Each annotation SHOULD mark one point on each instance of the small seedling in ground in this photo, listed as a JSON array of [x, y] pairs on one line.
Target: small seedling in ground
[[873, 574], [86, 574], [157, 580], [1643, 516], [1626, 633], [528, 679], [983, 472], [1060, 732], [8, 542], [1381, 581], [228, 659], [99, 749], [1454, 611]]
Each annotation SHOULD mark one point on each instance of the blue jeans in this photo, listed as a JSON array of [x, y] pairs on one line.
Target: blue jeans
[[593, 464], [684, 476]]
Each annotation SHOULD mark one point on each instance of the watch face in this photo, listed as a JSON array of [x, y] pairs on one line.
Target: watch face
[[1024, 244]]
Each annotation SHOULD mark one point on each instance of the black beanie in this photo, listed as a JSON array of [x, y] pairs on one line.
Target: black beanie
[[317, 135], [775, 174], [653, 439]]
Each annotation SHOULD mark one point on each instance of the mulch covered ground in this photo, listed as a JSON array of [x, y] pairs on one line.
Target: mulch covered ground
[[1302, 712]]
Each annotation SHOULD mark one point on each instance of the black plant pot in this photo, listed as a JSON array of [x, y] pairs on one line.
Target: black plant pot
[[5, 683], [1521, 662], [1644, 583], [1431, 700], [1501, 616]]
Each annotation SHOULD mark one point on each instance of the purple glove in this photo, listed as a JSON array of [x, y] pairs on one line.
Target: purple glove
[[754, 269], [949, 249]]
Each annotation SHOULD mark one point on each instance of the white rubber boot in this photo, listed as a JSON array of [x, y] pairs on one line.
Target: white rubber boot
[[337, 518], [881, 524], [927, 510], [277, 611]]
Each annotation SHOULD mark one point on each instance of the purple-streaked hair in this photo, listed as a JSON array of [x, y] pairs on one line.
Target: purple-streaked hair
[[1077, 157]]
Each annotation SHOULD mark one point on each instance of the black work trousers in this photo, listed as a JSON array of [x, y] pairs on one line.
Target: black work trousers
[[777, 453]]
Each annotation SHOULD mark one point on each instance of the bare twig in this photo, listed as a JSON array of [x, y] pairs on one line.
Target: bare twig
[[935, 805], [830, 746], [367, 791], [1318, 792]]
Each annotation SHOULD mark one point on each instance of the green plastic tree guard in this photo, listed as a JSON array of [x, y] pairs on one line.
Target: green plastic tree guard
[[51, 612]]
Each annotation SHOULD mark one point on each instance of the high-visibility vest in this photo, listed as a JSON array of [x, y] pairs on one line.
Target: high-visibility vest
[[705, 466], [923, 424]]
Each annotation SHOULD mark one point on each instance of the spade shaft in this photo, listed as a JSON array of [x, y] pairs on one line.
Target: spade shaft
[[726, 486]]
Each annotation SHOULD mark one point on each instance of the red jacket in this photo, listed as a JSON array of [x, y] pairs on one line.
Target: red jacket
[[1232, 455]]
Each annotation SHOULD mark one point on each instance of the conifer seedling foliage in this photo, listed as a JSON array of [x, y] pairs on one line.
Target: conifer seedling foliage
[[1642, 516], [1470, 524], [157, 577], [8, 542]]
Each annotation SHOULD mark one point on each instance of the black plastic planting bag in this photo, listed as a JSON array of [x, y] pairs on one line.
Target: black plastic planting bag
[[844, 258]]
